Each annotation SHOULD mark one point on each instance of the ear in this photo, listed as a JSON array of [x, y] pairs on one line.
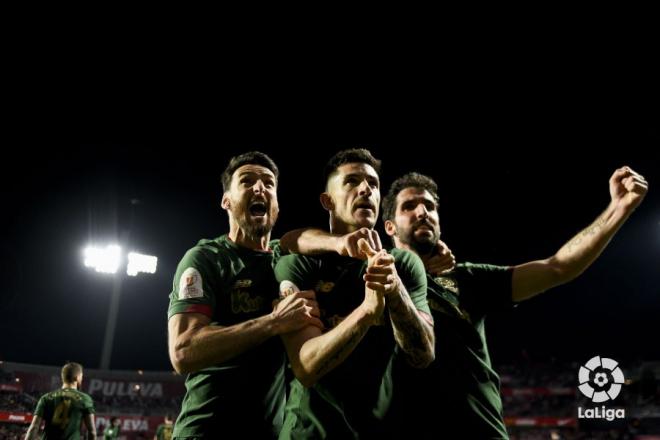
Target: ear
[[390, 228], [326, 201], [225, 203]]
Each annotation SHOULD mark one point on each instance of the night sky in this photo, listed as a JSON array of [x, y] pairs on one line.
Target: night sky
[[514, 186]]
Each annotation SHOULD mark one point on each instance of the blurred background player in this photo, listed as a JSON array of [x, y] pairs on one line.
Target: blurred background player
[[112, 430], [63, 410], [164, 430]]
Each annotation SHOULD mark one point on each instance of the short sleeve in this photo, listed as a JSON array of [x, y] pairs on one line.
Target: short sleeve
[[40, 407], [194, 283], [297, 269], [88, 407], [413, 275], [489, 286]]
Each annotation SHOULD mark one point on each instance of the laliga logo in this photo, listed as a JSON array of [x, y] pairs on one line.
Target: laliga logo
[[605, 376], [601, 380]]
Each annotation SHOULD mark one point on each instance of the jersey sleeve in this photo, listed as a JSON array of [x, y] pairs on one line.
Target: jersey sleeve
[[88, 405], [413, 275], [490, 285], [39, 411], [297, 269], [194, 284]]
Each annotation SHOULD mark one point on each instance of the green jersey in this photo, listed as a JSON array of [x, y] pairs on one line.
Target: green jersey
[[164, 431], [111, 432], [463, 390], [63, 411], [245, 395], [352, 400]]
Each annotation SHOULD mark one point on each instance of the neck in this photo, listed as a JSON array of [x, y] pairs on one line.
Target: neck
[[238, 236], [340, 228], [401, 245], [70, 385]]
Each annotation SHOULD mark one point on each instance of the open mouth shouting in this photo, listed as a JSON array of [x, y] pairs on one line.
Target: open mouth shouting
[[258, 208]]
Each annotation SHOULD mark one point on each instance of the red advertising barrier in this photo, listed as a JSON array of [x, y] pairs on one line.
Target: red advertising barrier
[[557, 422], [538, 391], [131, 427], [13, 417], [16, 388], [109, 387]]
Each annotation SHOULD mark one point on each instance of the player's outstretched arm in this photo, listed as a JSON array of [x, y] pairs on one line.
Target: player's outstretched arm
[[627, 190]]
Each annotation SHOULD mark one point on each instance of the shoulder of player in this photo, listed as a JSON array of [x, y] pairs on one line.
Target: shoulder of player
[[209, 250], [404, 257], [469, 268], [299, 259]]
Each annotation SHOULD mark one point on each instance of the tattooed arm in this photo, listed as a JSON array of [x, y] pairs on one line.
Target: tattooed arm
[[627, 189], [413, 328]]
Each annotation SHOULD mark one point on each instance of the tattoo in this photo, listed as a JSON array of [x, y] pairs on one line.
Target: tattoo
[[344, 350], [409, 331], [591, 230]]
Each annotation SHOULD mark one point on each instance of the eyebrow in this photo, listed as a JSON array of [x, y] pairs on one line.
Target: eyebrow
[[362, 175], [418, 199], [254, 173]]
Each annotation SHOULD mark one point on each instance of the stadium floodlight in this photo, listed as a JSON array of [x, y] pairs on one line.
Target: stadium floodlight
[[141, 263], [108, 260], [103, 260]]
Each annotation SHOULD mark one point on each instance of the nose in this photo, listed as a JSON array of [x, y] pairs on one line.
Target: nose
[[421, 211], [258, 187], [364, 189]]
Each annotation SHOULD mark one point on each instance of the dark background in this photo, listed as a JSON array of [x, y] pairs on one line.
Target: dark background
[[518, 178]]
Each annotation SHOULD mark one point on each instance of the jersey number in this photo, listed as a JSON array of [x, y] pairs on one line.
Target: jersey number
[[61, 416]]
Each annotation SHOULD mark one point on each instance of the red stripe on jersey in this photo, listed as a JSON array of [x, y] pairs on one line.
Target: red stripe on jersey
[[204, 309]]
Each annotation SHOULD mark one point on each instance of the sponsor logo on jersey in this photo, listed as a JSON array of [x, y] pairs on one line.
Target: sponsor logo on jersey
[[243, 302], [242, 284]]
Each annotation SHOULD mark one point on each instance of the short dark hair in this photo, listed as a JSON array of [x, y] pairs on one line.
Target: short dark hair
[[410, 180], [354, 155], [252, 158], [70, 371]]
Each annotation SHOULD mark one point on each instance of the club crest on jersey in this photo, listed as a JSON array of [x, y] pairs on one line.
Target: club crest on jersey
[[324, 286], [448, 283], [190, 284]]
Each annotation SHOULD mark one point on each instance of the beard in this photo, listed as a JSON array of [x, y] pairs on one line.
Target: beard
[[255, 231], [423, 246]]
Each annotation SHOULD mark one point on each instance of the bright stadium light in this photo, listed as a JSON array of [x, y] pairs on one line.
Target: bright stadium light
[[141, 263], [103, 260], [108, 260]]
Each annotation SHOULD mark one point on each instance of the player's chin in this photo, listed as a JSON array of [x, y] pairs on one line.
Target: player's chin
[[424, 245], [267, 220], [362, 221]]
